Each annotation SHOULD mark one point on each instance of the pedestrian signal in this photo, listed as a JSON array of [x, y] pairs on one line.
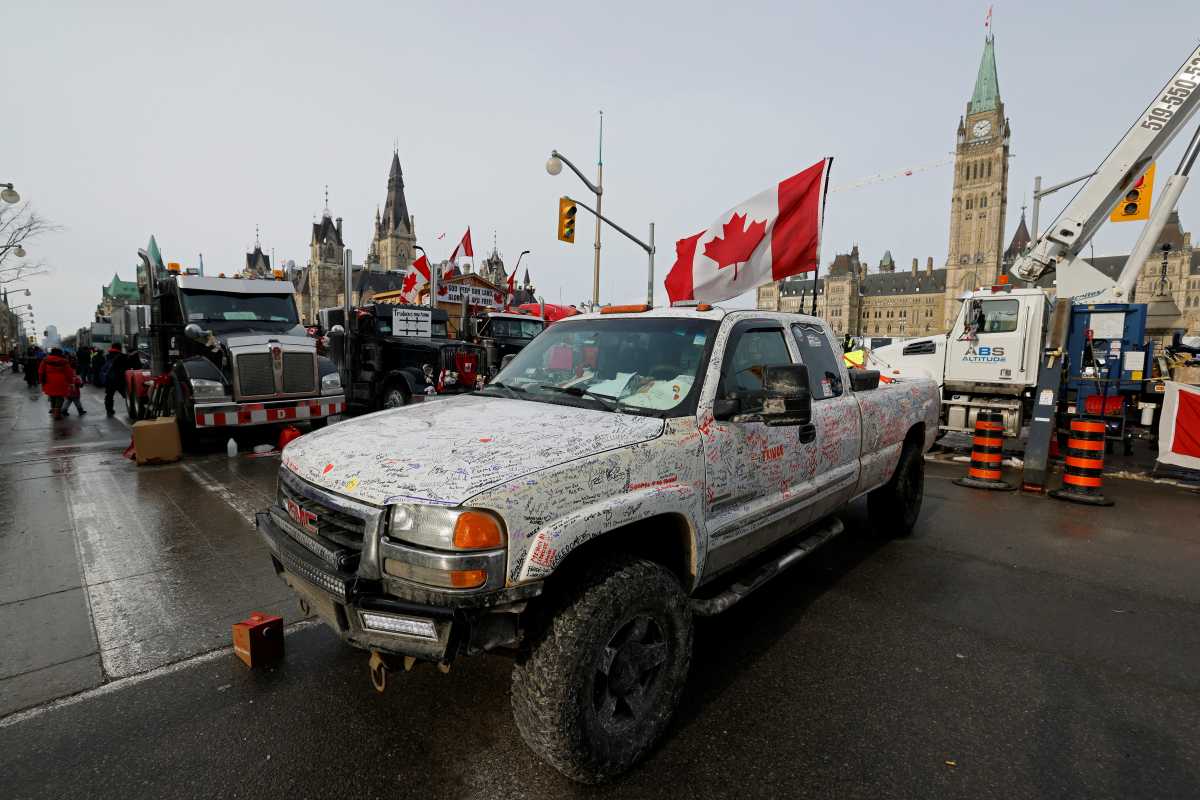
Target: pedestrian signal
[[566, 220], [1135, 204]]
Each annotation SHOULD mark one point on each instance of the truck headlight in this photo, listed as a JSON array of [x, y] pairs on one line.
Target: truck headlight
[[331, 383], [204, 389], [446, 529]]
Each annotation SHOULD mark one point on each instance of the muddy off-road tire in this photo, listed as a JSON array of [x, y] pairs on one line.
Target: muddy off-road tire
[[894, 507], [597, 688]]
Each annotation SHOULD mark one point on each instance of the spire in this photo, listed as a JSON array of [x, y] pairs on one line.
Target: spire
[[257, 240], [395, 210], [326, 213], [1020, 239], [987, 88]]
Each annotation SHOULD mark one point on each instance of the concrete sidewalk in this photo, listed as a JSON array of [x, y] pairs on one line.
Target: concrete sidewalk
[[108, 569]]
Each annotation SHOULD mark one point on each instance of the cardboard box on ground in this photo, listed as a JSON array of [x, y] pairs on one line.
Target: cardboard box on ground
[[156, 441]]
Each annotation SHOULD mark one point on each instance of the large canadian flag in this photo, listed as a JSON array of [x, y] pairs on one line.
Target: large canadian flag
[[772, 235], [415, 279]]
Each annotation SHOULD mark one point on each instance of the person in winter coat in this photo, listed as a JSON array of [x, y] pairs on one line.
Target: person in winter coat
[[56, 376], [98, 358], [73, 395], [113, 375], [31, 367]]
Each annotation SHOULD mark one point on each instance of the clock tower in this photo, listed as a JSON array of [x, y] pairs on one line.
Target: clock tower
[[980, 194]]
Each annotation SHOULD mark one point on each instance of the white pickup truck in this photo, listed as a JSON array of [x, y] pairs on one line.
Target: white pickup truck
[[625, 471]]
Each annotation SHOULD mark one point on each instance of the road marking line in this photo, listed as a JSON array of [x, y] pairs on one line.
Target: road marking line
[[134, 680], [238, 504]]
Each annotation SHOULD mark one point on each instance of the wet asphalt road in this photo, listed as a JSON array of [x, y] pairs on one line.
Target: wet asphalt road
[[1013, 647]]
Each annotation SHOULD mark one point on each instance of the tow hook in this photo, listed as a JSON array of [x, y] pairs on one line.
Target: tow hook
[[381, 665]]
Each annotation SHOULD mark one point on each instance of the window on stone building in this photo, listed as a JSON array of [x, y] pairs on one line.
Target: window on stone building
[[970, 203], [989, 169], [983, 201]]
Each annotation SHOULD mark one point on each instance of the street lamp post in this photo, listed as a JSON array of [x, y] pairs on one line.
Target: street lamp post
[[554, 166], [9, 195], [1039, 193]]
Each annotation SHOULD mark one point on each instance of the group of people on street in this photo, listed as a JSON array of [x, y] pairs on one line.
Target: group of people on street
[[61, 376]]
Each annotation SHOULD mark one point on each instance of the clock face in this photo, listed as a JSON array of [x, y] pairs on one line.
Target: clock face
[[981, 129]]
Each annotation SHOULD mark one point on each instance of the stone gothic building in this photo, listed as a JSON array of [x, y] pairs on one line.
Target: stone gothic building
[[320, 284], [393, 246], [891, 302]]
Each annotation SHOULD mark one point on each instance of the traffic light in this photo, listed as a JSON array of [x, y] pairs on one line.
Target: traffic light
[[566, 220], [1136, 202]]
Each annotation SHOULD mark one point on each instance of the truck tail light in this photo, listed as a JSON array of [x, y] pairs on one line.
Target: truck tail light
[[476, 530]]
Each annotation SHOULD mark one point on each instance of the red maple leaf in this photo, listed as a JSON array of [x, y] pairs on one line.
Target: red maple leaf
[[736, 242], [410, 281]]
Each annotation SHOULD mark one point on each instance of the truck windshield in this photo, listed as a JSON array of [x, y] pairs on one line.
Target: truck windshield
[[515, 328], [232, 307], [650, 365]]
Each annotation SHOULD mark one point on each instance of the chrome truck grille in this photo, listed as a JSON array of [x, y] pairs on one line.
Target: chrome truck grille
[[342, 533], [299, 374], [256, 376]]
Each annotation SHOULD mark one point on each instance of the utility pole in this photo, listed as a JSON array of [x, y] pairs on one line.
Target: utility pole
[[599, 198]]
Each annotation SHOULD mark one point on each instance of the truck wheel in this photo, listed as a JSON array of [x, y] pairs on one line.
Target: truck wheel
[[394, 396], [601, 680], [188, 435], [894, 507]]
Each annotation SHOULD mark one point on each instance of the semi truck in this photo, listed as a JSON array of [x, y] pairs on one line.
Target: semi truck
[[397, 354], [228, 353]]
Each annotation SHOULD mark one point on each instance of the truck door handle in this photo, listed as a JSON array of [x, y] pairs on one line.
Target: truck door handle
[[808, 433]]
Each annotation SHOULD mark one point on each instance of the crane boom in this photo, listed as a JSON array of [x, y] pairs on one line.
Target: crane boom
[[1059, 247]]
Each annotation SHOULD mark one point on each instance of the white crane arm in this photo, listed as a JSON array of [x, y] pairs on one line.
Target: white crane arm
[[1059, 247]]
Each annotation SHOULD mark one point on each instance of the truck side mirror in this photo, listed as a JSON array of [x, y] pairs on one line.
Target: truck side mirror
[[725, 408], [786, 397], [504, 362], [337, 330], [194, 332]]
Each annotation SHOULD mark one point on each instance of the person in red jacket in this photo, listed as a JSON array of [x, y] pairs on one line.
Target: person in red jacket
[[56, 376]]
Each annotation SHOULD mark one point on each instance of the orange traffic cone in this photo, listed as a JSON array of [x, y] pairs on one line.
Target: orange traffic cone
[[1083, 468], [986, 454]]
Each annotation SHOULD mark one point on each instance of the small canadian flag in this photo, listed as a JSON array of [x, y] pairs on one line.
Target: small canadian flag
[[416, 279], [772, 235]]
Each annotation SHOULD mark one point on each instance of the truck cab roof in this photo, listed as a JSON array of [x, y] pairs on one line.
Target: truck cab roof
[[234, 285]]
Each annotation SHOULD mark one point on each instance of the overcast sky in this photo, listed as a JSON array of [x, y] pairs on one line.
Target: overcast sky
[[197, 121]]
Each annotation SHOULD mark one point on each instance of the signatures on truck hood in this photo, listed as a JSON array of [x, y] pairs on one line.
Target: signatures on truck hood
[[447, 451]]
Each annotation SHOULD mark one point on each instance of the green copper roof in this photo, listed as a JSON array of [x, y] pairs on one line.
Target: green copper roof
[[124, 289], [987, 88]]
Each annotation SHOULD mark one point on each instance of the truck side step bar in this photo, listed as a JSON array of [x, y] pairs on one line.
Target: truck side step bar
[[757, 578]]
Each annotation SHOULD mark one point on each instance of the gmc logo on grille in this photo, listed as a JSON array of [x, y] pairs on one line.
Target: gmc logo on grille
[[306, 519]]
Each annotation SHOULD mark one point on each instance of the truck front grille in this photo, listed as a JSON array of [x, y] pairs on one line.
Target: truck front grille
[[336, 526], [256, 376], [299, 373]]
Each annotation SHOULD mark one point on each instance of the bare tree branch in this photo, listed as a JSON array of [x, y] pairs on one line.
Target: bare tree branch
[[18, 225]]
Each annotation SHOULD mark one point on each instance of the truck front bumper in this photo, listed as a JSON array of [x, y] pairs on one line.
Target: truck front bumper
[[219, 415], [379, 615]]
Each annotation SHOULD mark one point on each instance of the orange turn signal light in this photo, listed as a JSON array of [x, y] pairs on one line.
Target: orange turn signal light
[[476, 530], [467, 578], [630, 309]]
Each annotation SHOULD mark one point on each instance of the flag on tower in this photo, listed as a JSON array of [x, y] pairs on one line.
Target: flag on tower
[[772, 235], [987, 21]]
